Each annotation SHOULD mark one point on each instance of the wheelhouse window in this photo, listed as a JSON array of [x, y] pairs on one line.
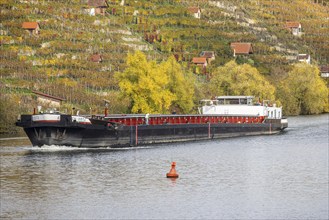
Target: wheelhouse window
[[234, 101]]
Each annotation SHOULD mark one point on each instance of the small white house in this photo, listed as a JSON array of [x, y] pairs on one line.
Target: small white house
[[324, 70], [200, 61], [48, 100], [294, 27], [210, 55], [32, 27], [96, 7], [196, 11], [304, 58]]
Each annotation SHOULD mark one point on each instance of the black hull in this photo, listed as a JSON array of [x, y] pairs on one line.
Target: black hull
[[92, 135]]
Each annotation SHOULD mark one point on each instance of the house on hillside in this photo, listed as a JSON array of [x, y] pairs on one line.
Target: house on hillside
[[241, 49], [48, 100], [195, 11], [96, 7], [200, 62], [294, 27], [324, 70], [32, 27], [304, 58], [210, 55], [96, 58]]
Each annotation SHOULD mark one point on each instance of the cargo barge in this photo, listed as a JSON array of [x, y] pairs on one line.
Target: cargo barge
[[225, 116]]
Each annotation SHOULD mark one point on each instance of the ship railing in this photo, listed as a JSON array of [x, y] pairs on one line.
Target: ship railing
[[183, 119]]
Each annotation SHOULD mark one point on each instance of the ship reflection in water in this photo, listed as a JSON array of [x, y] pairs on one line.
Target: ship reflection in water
[[282, 176]]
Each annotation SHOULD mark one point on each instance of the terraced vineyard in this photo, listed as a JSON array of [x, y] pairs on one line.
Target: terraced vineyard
[[60, 60]]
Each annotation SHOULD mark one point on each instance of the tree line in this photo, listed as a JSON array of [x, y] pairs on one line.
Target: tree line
[[164, 87], [147, 86]]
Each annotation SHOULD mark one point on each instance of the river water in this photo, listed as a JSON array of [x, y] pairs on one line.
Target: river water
[[281, 176]]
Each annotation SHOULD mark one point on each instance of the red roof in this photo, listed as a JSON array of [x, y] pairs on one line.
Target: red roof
[[292, 24], [324, 69], [96, 58], [194, 9], [30, 25], [242, 48], [97, 3], [199, 60]]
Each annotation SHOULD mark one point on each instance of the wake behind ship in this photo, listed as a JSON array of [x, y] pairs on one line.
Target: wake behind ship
[[225, 116]]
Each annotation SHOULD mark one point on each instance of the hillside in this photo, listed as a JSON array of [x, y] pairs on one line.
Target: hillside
[[76, 54]]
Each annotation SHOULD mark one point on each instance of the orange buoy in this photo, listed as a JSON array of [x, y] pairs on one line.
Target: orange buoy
[[172, 173]]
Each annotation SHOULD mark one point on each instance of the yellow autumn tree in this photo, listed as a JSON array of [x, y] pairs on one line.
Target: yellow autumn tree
[[146, 85], [234, 79], [181, 84], [303, 91]]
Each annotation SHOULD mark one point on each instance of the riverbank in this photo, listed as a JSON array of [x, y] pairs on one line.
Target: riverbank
[[13, 141]]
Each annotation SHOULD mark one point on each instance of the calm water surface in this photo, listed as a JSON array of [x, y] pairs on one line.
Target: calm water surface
[[263, 177]]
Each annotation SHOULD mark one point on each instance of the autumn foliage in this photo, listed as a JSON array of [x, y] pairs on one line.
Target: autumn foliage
[[155, 88], [303, 91]]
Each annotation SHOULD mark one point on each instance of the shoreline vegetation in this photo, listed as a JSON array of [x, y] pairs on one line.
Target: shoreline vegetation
[[138, 55], [152, 87]]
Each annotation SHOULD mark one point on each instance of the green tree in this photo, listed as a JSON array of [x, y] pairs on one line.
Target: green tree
[[303, 91], [146, 84], [10, 109], [234, 79]]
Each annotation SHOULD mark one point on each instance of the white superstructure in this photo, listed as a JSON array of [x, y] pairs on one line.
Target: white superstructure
[[46, 118], [240, 106], [80, 119], [52, 118]]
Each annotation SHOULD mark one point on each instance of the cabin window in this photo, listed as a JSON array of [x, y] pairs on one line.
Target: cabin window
[[234, 101], [243, 101], [231, 101], [221, 101]]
